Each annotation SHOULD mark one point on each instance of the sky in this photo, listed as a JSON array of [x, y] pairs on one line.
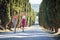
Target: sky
[[35, 1], [35, 4], [35, 7]]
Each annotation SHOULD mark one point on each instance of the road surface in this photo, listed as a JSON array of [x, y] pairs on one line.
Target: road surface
[[32, 33]]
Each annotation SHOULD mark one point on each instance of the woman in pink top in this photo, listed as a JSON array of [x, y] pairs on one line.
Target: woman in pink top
[[14, 20]]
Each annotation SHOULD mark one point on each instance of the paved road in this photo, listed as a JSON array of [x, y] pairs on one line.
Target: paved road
[[32, 33]]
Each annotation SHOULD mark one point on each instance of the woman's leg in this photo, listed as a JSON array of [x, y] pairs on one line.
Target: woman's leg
[[15, 23], [14, 28], [23, 29]]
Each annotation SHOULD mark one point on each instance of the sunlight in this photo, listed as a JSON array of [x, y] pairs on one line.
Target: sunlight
[[35, 1]]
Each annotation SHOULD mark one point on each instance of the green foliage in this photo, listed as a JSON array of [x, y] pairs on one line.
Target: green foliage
[[49, 13], [7, 8]]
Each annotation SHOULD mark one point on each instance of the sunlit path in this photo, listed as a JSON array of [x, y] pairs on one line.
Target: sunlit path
[[34, 31]]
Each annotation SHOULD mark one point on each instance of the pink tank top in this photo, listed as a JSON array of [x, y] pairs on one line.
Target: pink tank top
[[15, 17]]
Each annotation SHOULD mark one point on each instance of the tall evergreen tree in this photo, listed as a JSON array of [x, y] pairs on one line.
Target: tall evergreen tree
[[7, 8], [49, 14]]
